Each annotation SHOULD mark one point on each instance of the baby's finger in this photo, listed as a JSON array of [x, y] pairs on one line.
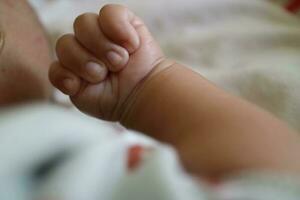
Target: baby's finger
[[64, 80], [78, 60], [116, 22], [88, 33]]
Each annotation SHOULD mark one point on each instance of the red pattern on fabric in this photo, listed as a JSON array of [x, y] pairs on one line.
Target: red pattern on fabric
[[134, 158], [293, 6]]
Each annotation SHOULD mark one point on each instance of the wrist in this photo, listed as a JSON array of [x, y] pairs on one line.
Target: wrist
[[136, 95]]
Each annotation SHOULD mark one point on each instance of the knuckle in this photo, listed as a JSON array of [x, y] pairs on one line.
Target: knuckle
[[63, 42], [82, 20], [106, 8]]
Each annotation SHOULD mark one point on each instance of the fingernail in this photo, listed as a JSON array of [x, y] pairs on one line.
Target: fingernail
[[68, 84], [114, 58], [95, 70]]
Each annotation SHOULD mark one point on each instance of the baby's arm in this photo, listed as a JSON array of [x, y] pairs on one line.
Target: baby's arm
[[113, 69], [214, 132]]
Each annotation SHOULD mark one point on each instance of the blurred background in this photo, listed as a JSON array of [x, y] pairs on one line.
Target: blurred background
[[168, 20]]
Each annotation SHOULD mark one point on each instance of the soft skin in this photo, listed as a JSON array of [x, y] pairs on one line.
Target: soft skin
[[103, 61]]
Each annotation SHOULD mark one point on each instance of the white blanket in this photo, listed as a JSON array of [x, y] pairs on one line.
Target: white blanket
[[47, 152]]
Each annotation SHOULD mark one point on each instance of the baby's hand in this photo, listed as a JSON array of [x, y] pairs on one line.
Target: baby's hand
[[107, 57]]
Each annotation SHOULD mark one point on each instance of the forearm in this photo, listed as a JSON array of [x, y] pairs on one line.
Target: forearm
[[213, 132]]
